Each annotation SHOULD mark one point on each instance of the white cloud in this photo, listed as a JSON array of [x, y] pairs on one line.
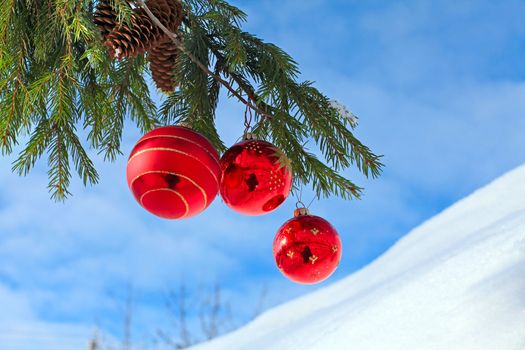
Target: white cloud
[[20, 328]]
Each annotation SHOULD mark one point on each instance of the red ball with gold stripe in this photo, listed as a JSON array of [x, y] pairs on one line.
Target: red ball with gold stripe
[[307, 248], [256, 177], [174, 172]]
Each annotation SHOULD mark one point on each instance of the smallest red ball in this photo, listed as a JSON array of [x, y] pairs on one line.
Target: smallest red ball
[[307, 249]]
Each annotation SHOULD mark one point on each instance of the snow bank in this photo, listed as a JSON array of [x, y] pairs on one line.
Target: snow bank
[[455, 282]]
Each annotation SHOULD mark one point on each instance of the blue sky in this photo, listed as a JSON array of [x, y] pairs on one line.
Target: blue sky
[[439, 89]]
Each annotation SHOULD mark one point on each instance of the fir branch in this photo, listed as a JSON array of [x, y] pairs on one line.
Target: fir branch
[[175, 38], [58, 162], [35, 148], [267, 75], [198, 90], [56, 78], [83, 164]]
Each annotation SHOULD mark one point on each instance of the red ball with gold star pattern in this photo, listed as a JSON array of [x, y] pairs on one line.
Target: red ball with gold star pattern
[[307, 248], [256, 177], [174, 172]]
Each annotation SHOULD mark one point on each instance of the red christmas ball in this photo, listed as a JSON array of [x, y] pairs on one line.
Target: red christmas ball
[[307, 249], [256, 177], [174, 172]]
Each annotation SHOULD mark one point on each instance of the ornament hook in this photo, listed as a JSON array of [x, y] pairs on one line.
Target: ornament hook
[[248, 118], [300, 204]]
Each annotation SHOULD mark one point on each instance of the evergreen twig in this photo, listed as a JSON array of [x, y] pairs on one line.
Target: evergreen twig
[[57, 82], [180, 45]]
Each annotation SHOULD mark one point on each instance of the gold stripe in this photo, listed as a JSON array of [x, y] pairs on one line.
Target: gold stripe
[[170, 190], [175, 174], [185, 139], [176, 151]]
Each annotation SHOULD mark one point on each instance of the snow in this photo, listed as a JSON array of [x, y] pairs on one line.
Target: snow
[[455, 282]]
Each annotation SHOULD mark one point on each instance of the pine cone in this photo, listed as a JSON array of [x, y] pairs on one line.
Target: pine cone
[[105, 18], [142, 34], [162, 60]]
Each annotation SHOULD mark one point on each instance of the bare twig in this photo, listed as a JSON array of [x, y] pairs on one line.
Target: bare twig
[[183, 315], [128, 318], [93, 344], [260, 304], [210, 318], [177, 305], [180, 45]]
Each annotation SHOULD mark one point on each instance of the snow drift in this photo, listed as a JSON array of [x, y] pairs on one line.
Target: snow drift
[[455, 282]]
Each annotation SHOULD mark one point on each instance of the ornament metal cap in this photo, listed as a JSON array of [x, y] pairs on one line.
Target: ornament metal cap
[[301, 212], [249, 136]]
